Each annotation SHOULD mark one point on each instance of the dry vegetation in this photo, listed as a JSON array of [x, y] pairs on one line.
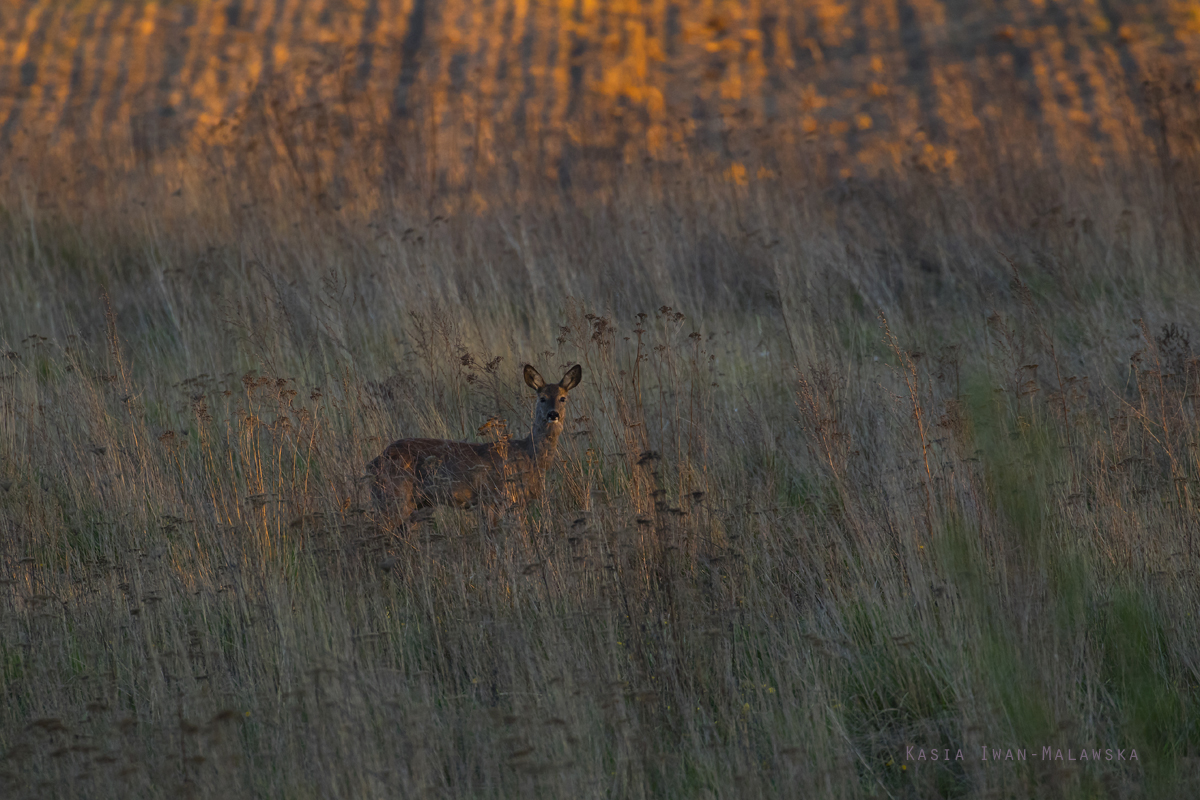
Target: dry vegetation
[[887, 435]]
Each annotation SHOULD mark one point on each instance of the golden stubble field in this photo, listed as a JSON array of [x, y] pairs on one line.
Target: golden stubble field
[[886, 442]]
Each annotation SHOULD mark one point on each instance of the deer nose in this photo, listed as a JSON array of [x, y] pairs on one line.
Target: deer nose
[[552, 416]]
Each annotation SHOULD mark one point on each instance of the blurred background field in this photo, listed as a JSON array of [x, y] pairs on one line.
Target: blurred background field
[[350, 98], [887, 434]]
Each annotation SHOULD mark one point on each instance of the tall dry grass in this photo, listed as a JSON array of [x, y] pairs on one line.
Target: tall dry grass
[[785, 541]]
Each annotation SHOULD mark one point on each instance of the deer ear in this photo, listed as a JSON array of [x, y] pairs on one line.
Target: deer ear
[[532, 378], [571, 379]]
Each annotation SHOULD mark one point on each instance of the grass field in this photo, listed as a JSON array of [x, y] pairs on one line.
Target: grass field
[[886, 443]]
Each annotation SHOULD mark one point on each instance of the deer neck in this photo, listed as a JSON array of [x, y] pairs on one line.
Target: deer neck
[[540, 447]]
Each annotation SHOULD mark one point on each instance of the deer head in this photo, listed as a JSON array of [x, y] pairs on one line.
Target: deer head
[[551, 408]]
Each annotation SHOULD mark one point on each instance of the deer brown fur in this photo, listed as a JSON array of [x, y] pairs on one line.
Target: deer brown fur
[[412, 475]]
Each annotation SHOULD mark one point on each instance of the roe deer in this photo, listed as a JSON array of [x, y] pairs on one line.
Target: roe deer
[[413, 475]]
